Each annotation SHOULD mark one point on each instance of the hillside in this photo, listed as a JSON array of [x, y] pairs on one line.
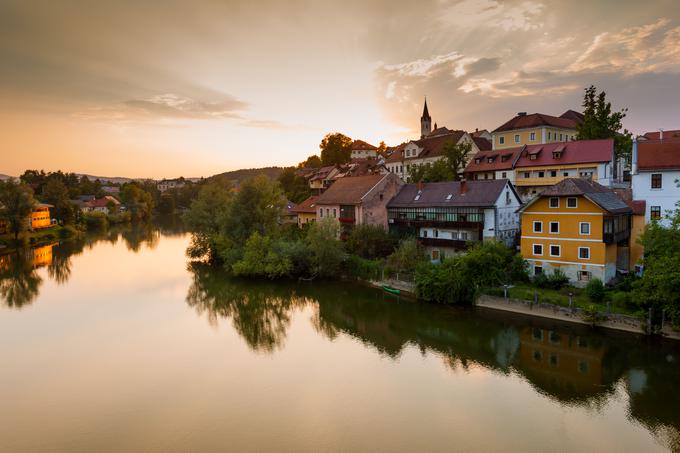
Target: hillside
[[5, 177], [238, 176]]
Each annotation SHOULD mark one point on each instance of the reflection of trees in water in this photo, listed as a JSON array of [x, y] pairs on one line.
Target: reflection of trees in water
[[570, 364], [19, 282], [261, 315], [141, 234]]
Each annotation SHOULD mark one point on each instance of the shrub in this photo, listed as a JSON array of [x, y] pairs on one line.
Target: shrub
[[445, 283], [595, 290], [407, 257], [262, 257], [67, 231], [95, 220], [556, 280], [370, 242], [358, 267], [621, 299]]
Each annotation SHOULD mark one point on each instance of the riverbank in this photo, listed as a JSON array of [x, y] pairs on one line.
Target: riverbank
[[612, 321], [37, 238]]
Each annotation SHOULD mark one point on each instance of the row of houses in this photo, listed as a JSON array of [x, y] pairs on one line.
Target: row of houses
[[564, 203]]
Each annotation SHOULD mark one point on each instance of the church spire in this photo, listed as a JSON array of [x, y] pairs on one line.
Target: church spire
[[425, 122]]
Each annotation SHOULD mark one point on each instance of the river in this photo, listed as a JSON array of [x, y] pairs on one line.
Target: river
[[117, 343]]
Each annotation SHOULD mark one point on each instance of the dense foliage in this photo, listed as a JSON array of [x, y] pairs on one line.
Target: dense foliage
[[449, 168], [296, 188], [16, 204], [335, 148], [370, 242]]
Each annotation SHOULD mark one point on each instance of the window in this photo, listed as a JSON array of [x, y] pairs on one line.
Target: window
[[582, 367], [538, 356], [541, 174], [583, 276], [532, 136], [504, 175], [538, 249], [585, 228], [321, 212], [538, 226], [538, 270], [554, 202], [537, 334], [527, 174], [381, 197], [555, 250], [501, 140], [478, 160], [565, 174], [435, 255], [554, 227], [436, 233], [560, 137], [572, 202], [655, 212], [584, 253], [516, 138], [553, 173], [463, 236], [507, 197], [553, 360], [554, 337], [424, 233], [548, 135], [328, 212], [656, 181]]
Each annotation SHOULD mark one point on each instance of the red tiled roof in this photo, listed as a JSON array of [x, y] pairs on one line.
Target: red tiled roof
[[659, 155], [534, 120], [434, 146], [638, 206], [101, 202], [602, 196], [396, 153], [576, 152], [502, 159], [349, 190], [573, 115], [308, 206], [362, 145], [482, 143], [666, 134]]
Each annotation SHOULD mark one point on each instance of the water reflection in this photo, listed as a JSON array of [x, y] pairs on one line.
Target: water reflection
[[20, 279], [572, 365]]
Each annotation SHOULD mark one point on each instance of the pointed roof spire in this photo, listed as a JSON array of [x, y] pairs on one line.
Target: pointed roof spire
[[426, 114]]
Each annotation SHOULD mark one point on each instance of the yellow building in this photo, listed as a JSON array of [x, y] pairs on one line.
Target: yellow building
[[306, 211], [536, 129], [41, 256], [579, 227], [40, 217]]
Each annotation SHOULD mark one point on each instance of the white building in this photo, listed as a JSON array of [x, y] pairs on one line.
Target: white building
[[167, 184], [363, 150], [656, 172]]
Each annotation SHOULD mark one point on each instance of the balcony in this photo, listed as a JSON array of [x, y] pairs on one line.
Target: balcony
[[545, 181], [450, 243], [438, 223]]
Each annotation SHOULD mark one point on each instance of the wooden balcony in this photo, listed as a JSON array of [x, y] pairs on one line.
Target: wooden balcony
[[450, 243]]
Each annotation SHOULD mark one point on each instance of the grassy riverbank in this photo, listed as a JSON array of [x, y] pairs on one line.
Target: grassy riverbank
[[35, 238]]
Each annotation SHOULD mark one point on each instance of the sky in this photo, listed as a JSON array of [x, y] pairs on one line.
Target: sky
[[194, 88]]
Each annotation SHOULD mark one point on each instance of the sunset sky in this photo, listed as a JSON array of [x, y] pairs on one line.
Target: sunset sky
[[163, 89]]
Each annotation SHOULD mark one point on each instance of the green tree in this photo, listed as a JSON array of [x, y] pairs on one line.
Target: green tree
[[56, 193], [16, 205], [312, 161], [138, 201], [295, 188], [370, 242], [335, 148], [205, 216], [600, 122], [407, 257], [263, 256], [449, 168], [325, 254]]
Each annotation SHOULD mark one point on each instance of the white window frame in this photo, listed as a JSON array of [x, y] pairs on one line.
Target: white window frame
[[517, 138], [559, 248], [501, 140], [533, 249], [580, 228], [572, 207], [534, 225], [550, 203], [532, 136], [579, 253], [550, 227]]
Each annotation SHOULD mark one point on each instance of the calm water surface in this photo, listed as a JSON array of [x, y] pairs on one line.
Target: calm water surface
[[116, 343]]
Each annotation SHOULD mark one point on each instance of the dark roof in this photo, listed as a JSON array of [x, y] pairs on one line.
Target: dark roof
[[605, 198], [576, 152], [666, 135], [307, 206], [426, 114], [434, 146], [577, 117], [536, 119], [482, 143], [440, 131], [349, 190], [479, 133], [659, 155], [478, 193], [502, 159], [396, 153], [362, 145], [638, 206]]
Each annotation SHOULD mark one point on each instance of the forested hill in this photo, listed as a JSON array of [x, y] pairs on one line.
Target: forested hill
[[238, 176]]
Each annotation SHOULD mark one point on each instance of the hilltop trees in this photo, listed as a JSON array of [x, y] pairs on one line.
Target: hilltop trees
[[336, 148], [16, 204], [600, 122], [295, 187], [56, 193]]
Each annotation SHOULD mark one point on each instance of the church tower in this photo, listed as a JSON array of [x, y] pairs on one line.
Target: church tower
[[425, 122]]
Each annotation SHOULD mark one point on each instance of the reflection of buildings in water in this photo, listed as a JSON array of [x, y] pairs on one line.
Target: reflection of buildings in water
[[566, 361], [40, 256], [4, 263], [506, 344]]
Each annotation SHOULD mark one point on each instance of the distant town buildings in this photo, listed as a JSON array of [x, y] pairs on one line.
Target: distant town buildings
[[536, 128], [167, 184]]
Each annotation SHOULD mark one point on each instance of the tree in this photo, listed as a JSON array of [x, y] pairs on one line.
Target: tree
[[16, 205], [449, 168], [324, 250], [600, 122], [370, 242], [296, 188], [56, 193], [407, 257], [138, 201], [312, 161], [382, 149], [204, 218], [262, 256], [336, 148]]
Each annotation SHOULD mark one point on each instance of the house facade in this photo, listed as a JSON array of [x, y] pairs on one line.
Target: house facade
[[536, 129], [445, 216], [40, 217], [306, 211], [655, 170], [363, 150], [168, 184], [358, 200], [104, 205], [579, 227]]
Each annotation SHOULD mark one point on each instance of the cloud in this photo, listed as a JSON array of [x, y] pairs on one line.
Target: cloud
[[489, 13], [175, 106], [652, 47]]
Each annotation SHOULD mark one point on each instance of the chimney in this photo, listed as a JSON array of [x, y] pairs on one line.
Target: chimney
[[634, 159], [463, 186], [661, 134], [521, 113], [420, 186]]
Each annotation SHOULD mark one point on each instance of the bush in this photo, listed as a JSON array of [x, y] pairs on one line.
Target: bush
[[370, 242], [447, 282], [595, 290], [95, 220], [492, 263], [67, 231], [262, 257], [364, 269], [621, 299], [556, 280], [407, 257]]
